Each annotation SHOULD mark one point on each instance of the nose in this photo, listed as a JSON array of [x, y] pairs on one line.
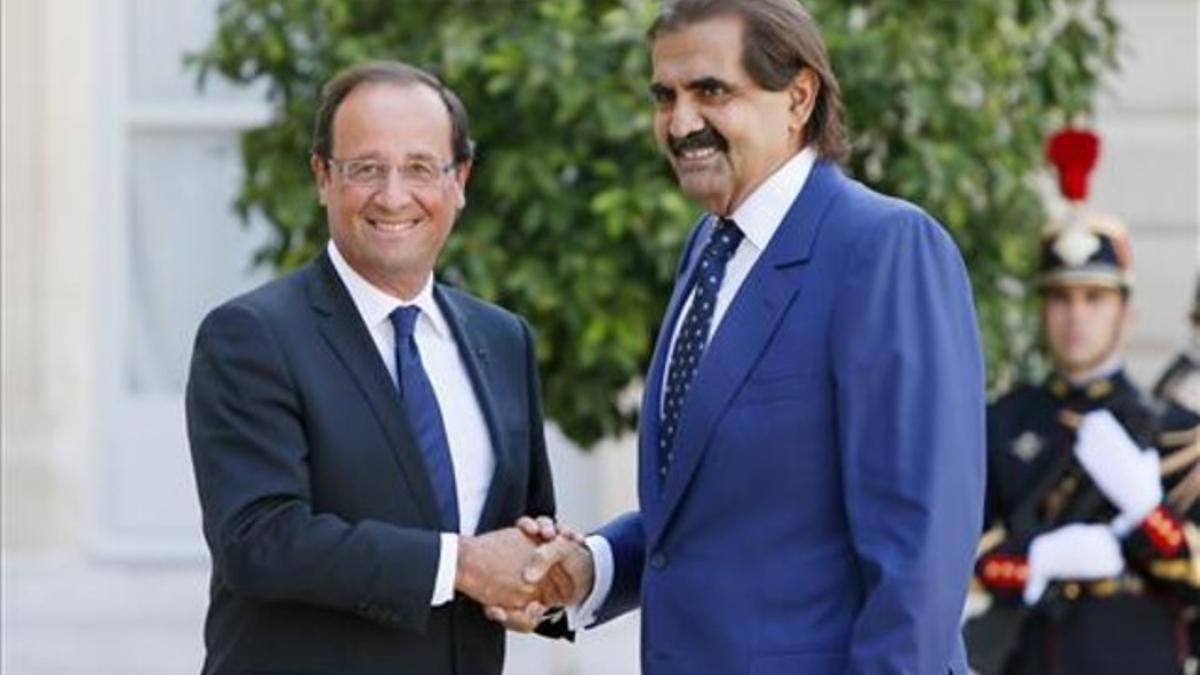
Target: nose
[[1079, 310], [683, 119], [393, 193]]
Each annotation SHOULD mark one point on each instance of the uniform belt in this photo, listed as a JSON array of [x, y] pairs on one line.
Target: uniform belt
[[1104, 588]]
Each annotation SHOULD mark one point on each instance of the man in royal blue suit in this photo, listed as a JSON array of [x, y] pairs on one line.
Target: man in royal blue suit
[[363, 437], [811, 472]]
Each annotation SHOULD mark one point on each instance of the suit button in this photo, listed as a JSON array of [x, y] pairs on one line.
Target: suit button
[[658, 560]]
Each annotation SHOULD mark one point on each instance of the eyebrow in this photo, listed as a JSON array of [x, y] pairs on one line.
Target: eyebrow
[[420, 155], [707, 82], [364, 156], [659, 90], [376, 156]]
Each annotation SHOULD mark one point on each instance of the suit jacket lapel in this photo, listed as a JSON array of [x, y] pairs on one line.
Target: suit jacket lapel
[[473, 351], [343, 328], [744, 332]]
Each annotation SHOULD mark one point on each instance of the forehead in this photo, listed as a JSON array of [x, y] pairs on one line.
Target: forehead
[[388, 119], [709, 48], [1079, 291]]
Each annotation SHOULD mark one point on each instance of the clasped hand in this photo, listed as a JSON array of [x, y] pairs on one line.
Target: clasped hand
[[518, 572]]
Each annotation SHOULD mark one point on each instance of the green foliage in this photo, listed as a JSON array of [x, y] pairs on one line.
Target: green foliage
[[574, 220]]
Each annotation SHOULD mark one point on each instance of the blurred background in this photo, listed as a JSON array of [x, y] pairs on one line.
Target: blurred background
[[135, 199]]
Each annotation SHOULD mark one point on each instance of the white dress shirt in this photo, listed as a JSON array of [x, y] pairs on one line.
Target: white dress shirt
[[758, 217], [466, 429]]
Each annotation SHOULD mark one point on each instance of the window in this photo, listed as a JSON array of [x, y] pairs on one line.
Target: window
[[171, 249]]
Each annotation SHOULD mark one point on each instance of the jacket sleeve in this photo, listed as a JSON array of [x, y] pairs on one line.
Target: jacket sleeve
[[909, 383], [540, 498], [539, 501], [1165, 546], [1002, 564], [251, 459], [627, 540]]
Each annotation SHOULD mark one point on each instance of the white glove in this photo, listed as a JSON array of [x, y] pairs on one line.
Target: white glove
[[1125, 474], [1076, 551]]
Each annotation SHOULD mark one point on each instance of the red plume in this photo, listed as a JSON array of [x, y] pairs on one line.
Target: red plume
[[1073, 152]]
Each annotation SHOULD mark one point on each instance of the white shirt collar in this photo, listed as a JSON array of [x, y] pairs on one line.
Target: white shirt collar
[[760, 215], [376, 305]]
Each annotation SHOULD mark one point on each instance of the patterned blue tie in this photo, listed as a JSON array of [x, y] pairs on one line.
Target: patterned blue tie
[[417, 396], [693, 334]]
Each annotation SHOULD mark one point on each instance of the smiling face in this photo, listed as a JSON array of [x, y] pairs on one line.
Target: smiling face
[[391, 233], [722, 133], [1084, 325]]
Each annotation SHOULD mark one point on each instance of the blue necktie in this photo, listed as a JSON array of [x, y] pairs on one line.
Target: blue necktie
[[417, 396], [693, 334]]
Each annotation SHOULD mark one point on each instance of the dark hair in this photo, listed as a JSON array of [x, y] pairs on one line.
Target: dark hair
[[391, 72], [779, 39]]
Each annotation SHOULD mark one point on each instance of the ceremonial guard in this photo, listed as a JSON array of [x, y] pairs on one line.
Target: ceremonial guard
[[1179, 385], [1090, 553]]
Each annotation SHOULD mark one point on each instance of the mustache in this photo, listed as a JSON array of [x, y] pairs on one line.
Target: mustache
[[704, 138]]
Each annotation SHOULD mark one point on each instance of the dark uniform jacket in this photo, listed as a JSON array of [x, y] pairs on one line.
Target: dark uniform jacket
[[1179, 385], [1134, 623]]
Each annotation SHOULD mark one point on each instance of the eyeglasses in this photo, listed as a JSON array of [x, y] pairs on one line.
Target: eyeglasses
[[374, 173]]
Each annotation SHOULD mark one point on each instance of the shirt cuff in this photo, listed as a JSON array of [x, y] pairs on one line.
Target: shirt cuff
[[583, 615], [443, 585]]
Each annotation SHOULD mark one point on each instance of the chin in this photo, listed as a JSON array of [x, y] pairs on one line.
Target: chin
[[1085, 363], [704, 191]]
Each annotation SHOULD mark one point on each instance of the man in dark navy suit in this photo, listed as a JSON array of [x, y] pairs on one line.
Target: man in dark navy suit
[[364, 437]]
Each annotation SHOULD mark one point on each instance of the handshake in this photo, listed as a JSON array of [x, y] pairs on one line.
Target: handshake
[[520, 571]]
